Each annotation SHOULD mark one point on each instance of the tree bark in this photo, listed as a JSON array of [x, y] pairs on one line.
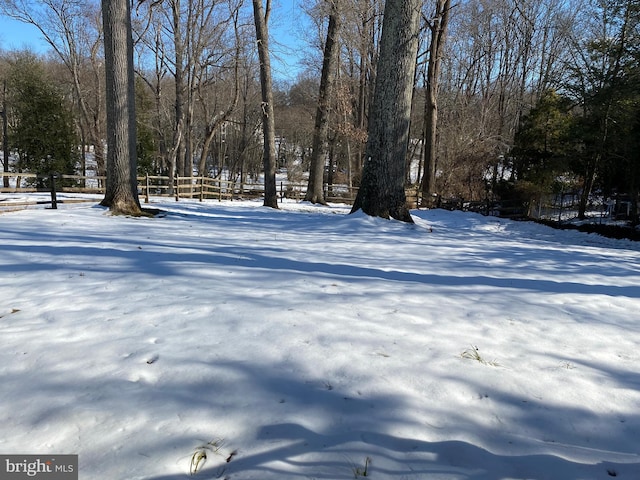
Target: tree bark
[[261, 17], [438, 35], [381, 192], [176, 158], [122, 187], [5, 137], [315, 188]]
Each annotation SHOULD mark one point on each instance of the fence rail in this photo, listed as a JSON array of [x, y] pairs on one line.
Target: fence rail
[[200, 188], [208, 188]]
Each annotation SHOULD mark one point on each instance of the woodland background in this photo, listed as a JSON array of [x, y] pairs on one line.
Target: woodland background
[[533, 98]]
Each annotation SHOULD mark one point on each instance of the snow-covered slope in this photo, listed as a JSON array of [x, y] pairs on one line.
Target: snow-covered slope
[[307, 343]]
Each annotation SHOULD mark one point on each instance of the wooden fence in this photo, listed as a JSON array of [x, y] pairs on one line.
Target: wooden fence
[[199, 188], [207, 188], [52, 184]]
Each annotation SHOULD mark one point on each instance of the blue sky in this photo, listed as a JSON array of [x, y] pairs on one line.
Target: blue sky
[[15, 35], [286, 31], [287, 26]]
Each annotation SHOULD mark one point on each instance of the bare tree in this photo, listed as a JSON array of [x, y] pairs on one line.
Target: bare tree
[[213, 122], [151, 48], [176, 152], [261, 18], [315, 190], [438, 27], [172, 22], [121, 194], [5, 135], [381, 192], [197, 46], [499, 57], [72, 29], [361, 34]]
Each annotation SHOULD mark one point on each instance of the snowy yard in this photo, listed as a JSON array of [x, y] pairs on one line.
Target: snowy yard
[[306, 343]]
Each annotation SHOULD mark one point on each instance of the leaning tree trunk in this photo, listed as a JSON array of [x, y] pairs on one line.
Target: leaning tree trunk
[[261, 17], [382, 191], [315, 187], [121, 194]]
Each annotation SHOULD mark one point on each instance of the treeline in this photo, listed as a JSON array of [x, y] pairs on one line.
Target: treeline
[[514, 99]]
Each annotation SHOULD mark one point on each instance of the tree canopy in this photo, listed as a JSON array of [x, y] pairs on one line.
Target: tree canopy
[[42, 132], [517, 93]]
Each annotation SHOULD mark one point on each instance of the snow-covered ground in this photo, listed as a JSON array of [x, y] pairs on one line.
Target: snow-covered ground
[[307, 343]]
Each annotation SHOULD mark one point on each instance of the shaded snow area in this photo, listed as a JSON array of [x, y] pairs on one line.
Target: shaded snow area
[[238, 342]]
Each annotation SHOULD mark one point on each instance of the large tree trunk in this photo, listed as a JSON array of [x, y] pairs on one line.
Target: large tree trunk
[[382, 191], [261, 17], [315, 190], [121, 194], [5, 137], [438, 35]]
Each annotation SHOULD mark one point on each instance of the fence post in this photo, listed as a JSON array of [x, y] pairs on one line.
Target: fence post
[[177, 184], [146, 192], [561, 205], [54, 199]]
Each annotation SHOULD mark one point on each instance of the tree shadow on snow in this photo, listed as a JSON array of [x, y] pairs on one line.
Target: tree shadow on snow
[[298, 452], [155, 256], [302, 426], [357, 436]]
